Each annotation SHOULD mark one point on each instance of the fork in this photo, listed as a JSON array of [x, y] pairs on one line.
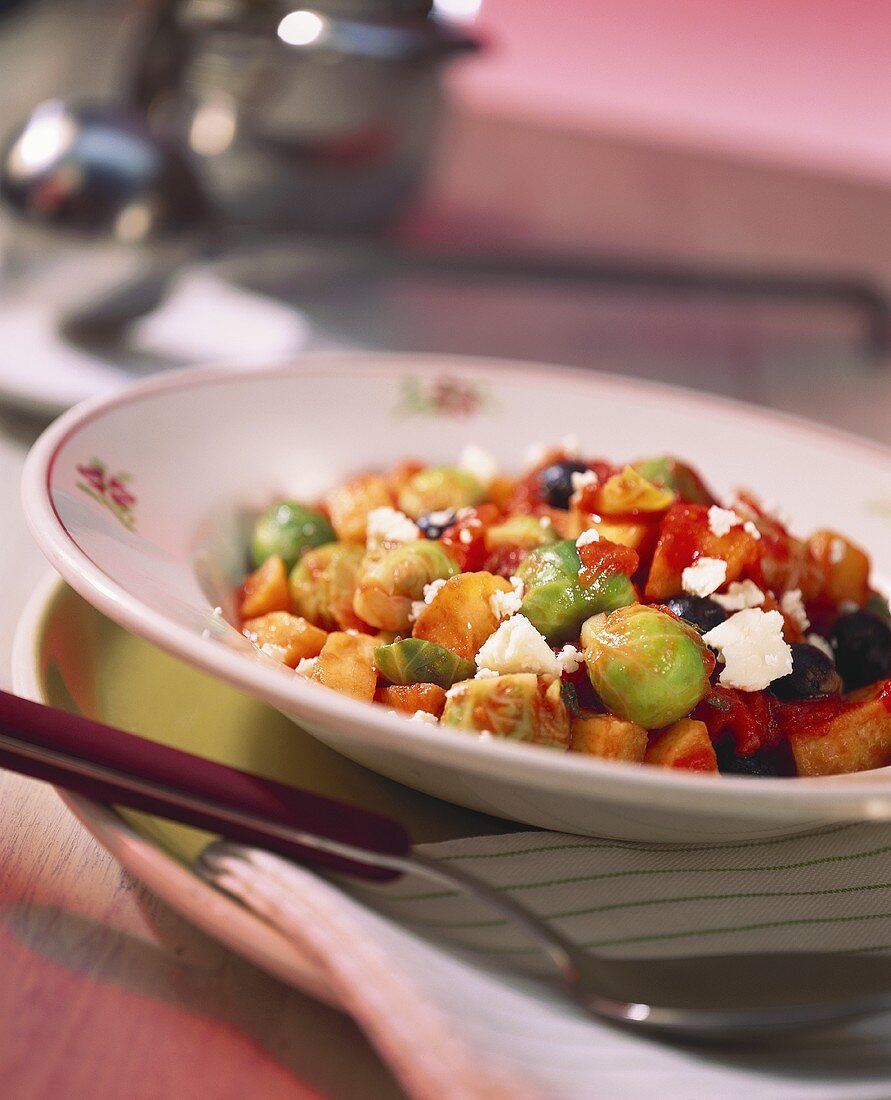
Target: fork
[[109, 765]]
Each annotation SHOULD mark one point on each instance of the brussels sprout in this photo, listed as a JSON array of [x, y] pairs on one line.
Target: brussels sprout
[[322, 584], [413, 661], [680, 478], [437, 489], [527, 532], [390, 580], [288, 529], [646, 665], [556, 602], [520, 706]]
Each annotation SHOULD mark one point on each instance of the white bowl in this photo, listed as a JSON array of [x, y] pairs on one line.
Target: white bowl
[[200, 451]]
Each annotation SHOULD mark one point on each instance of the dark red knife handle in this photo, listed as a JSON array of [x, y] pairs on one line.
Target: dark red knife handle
[[190, 775]]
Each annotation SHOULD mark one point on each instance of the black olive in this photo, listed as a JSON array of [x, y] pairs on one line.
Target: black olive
[[862, 645], [701, 611], [813, 675], [555, 482], [434, 523], [760, 763]]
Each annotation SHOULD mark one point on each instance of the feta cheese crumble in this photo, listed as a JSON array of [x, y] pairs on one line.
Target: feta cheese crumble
[[819, 642], [387, 525], [479, 463], [276, 652], [739, 596], [581, 479], [792, 606], [424, 716], [505, 604], [704, 576], [753, 649], [837, 551], [485, 674], [587, 537], [516, 646], [721, 521], [569, 658], [430, 590], [306, 666]]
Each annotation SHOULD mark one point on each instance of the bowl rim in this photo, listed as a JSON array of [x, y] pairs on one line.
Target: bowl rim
[[831, 796]]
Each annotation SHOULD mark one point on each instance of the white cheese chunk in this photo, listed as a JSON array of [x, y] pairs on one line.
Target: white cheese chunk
[[792, 606], [586, 537], [704, 576], [569, 658], [306, 666], [485, 674], [837, 551], [387, 525], [505, 604], [479, 463], [581, 479], [431, 589], [740, 595], [276, 652], [721, 521], [516, 646], [424, 716], [819, 642], [753, 649]]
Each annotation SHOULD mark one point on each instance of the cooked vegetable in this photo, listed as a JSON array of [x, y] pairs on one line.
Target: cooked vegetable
[[437, 489], [845, 567], [413, 661], [389, 581], [646, 665], [410, 698], [460, 616], [685, 744], [526, 532], [346, 664], [289, 529], [836, 736], [520, 706], [295, 637], [349, 505], [628, 493], [672, 474], [265, 590], [555, 482], [609, 737], [861, 642], [813, 675], [702, 611], [323, 583], [555, 600]]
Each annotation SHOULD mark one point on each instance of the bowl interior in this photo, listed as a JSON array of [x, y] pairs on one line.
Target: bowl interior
[[144, 501]]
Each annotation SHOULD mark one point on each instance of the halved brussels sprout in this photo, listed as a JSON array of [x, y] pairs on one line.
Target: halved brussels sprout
[[527, 532], [556, 602], [673, 474], [322, 585], [288, 529], [390, 580], [437, 489], [646, 665], [413, 661], [520, 706]]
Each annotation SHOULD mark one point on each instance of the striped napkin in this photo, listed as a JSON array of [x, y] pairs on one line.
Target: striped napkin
[[453, 996]]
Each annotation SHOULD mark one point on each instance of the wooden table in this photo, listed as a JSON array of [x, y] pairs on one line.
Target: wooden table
[[104, 991]]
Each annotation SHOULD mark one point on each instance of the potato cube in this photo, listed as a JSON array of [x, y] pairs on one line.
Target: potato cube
[[845, 567], [346, 664], [349, 505], [609, 737], [412, 697], [265, 590], [460, 617], [838, 736], [684, 744], [295, 636]]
